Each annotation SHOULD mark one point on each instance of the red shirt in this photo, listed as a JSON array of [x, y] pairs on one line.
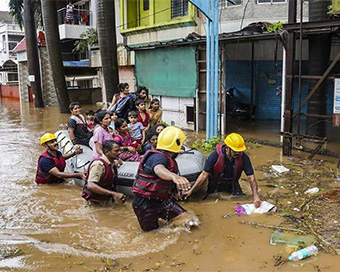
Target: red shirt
[[144, 122]]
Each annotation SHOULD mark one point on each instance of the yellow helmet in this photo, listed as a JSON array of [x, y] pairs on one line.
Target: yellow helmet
[[47, 137], [236, 142], [171, 139]]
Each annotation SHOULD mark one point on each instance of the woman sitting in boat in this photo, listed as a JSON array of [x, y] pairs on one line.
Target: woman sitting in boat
[[155, 112], [101, 133], [77, 126], [123, 138], [123, 91]]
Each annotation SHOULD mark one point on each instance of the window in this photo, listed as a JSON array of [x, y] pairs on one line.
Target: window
[[270, 1], [11, 46], [12, 76], [4, 43], [230, 3], [146, 5], [190, 114], [179, 8]]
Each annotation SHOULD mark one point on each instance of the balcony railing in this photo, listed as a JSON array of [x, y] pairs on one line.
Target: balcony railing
[[75, 56], [76, 17]]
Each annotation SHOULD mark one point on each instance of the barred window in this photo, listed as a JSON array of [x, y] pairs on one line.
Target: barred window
[[270, 1], [12, 77], [230, 3], [179, 8], [146, 5]]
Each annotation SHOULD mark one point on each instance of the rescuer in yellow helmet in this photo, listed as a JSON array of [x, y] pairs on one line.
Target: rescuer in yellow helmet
[[51, 163], [156, 181], [224, 167]]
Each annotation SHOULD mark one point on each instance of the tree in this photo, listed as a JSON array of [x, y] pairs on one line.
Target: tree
[[87, 39], [108, 45], [49, 14], [28, 7]]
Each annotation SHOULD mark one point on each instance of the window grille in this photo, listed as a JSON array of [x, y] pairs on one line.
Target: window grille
[[146, 5], [12, 76], [230, 3], [179, 8], [270, 1]]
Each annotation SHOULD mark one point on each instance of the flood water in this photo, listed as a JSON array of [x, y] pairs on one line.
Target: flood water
[[57, 231]]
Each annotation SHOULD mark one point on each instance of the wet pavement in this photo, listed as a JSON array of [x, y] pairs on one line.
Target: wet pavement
[[55, 230]]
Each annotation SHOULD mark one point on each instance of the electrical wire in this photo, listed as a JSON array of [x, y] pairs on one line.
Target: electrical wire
[[238, 41]]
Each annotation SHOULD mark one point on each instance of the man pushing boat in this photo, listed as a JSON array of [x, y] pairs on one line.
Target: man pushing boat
[[102, 176], [224, 167], [156, 180], [51, 163]]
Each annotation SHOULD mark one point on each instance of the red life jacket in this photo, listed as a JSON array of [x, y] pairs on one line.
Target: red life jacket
[[151, 186], [46, 178], [218, 169], [107, 181]]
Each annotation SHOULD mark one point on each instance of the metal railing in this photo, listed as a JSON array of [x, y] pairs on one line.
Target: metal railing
[[75, 17], [75, 56]]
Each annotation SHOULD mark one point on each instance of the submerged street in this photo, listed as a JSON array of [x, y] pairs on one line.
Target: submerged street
[[51, 228]]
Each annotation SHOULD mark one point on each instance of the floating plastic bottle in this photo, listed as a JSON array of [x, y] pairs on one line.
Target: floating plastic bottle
[[303, 253]]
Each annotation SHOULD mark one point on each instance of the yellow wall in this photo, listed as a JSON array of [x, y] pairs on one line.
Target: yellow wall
[[159, 14]]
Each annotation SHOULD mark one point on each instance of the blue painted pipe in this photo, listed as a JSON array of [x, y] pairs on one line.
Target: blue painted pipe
[[208, 88]]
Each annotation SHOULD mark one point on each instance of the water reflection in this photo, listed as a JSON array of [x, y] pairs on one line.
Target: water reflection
[[55, 219], [57, 231]]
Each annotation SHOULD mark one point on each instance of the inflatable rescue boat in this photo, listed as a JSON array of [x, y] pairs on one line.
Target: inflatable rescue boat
[[190, 163]]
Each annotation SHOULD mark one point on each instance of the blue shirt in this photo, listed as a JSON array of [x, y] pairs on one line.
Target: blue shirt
[[153, 160], [46, 164], [147, 147], [136, 131], [229, 166]]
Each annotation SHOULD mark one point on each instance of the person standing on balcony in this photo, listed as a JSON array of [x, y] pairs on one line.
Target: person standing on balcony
[[69, 13]]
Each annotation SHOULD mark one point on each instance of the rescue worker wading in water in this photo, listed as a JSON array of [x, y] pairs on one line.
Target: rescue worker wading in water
[[156, 181], [224, 167], [51, 163], [102, 175]]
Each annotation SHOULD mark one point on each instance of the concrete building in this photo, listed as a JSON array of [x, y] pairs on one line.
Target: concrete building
[[168, 38], [83, 70], [10, 36], [243, 12]]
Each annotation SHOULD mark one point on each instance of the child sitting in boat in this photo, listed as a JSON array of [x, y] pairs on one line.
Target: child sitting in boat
[[143, 116], [136, 129], [123, 138], [90, 120], [151, 137], [112, 127]]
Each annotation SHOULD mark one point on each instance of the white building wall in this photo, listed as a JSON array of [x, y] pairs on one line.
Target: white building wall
[[5, 30], [231, 16], [174, 111]]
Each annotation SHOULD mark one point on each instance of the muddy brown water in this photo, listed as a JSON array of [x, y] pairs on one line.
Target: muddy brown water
[[57, 231]]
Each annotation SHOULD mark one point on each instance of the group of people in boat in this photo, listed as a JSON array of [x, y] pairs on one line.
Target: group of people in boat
[[117, 138]]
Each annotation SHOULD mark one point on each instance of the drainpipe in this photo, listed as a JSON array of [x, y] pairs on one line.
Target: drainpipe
[[283, 92], [197, 101]]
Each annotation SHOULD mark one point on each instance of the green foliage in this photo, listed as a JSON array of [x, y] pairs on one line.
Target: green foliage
[[275, 27], [16, 9], [164, 123], [208, 145], [88, 38]]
